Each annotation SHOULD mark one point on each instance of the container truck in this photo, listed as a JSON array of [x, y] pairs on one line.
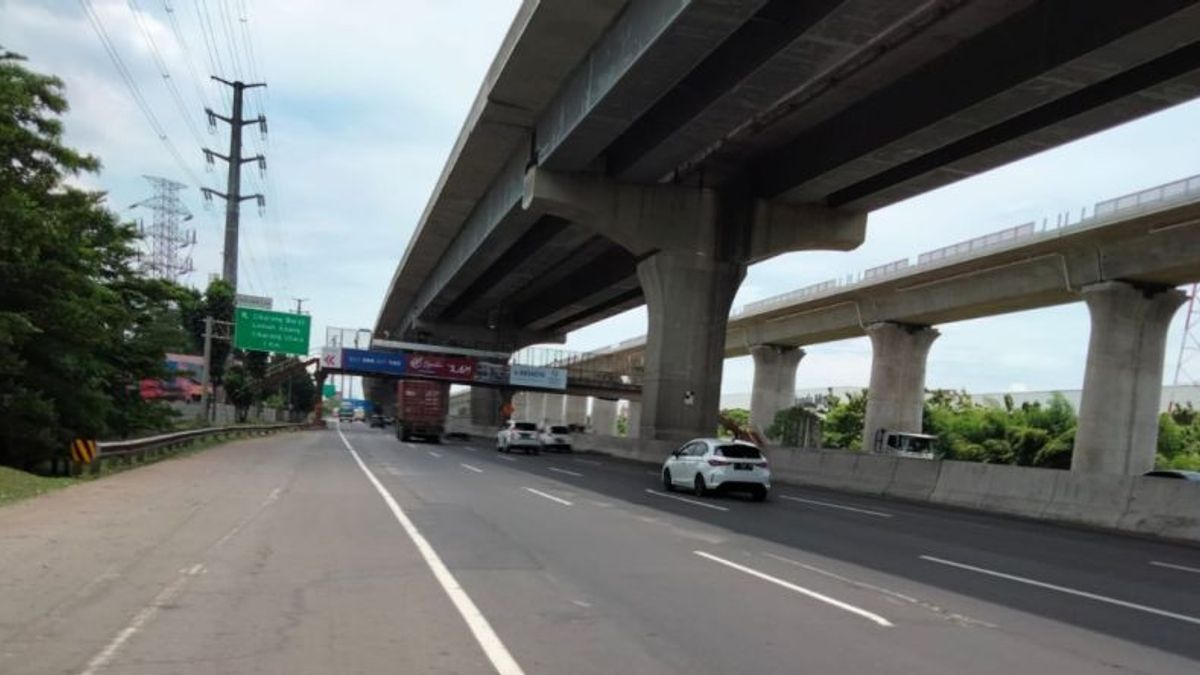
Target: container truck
[[421, 408]]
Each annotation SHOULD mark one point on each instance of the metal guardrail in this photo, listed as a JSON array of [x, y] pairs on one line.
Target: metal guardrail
[[140, 448]]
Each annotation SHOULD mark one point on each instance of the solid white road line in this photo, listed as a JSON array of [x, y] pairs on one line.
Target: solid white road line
[[493, 647], [468, 467], [143, 617], [1064, 589], [1182, 568], [946, 614], [656, 493], [548, 496], [592, 462], [870, 616], [506, 458], [434, 454], [831, 505], [564, 471]]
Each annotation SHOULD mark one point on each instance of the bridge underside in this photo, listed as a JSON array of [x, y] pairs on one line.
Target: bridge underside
[[684, 141]]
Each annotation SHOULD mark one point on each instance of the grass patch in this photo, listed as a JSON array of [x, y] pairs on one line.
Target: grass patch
[[15, 485]]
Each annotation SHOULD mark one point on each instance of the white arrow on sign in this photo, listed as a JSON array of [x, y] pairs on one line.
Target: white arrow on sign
[[331, 357]]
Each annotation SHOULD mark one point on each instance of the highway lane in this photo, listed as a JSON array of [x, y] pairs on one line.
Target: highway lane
[[286, 555], [840, 553]]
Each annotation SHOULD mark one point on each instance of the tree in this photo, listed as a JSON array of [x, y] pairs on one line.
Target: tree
[[844, 422], [796, 427], [78, 326], [240, 391], [739, 416]]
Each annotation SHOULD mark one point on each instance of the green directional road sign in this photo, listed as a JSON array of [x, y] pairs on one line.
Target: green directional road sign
[[264, 331], [330, 390]]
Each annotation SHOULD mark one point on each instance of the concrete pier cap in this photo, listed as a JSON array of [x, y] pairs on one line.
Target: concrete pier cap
[[896, 397], [693, 245], [774, 382], [1122, 382]]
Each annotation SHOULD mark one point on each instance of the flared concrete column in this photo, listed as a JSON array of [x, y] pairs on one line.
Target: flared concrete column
[[604, 417], [635, 419], [774, 382], [576, 411], [897, 392], [1122, 384], [554, 409], [687, 298], [485, 406], [535, 407]]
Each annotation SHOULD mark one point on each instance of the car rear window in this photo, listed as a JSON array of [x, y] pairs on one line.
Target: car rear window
[[738, 452], [525, 426], [559, 430]]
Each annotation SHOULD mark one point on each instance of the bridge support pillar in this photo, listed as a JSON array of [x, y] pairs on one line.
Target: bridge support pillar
[[535, 407], [897, 392], [485, 407], [553, 413], [774, 382], [687, 297], [576, 411], [1122, 383], [604, 417], [634, 410]]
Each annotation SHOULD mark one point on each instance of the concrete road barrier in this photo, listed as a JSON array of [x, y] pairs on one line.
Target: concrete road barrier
[[1020, 490], [913, 479], [1155, 506]]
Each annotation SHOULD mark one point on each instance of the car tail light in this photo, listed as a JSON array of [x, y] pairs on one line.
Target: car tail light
[[718, 462]]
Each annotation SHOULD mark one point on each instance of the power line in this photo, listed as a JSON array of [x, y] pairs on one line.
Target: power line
[[230, 39], [134, 91], [197, 81], [136, 10], [210, 38]]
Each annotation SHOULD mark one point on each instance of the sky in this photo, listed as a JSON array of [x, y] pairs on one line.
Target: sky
[[364, 101]]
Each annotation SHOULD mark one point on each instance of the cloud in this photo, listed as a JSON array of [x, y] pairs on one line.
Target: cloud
[[365, 100]]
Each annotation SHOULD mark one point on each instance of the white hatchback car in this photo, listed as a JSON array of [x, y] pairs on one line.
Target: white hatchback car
[[712, 464], [556, 437], [520, 436]]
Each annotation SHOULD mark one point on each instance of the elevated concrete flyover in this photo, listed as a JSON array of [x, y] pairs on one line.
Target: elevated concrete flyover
[[1124, 261], [647, 151]]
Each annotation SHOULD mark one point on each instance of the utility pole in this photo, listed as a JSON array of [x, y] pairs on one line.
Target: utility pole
[[213, 330], [233, 192], [299, 304]]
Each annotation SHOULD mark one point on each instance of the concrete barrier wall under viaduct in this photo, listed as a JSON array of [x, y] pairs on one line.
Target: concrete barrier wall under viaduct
[[1151, 506]]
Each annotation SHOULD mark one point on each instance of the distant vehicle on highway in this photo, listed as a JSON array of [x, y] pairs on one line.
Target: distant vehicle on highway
[[713, 464], [378, 421], [346, 413], [360, 415], [519, 435], [421, 408], [556, 437], [1178, 474]]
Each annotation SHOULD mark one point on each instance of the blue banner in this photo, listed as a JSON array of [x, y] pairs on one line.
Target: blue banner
[[384, 363]]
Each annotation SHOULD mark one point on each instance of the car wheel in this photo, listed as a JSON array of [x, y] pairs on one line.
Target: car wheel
[[759, 494], [699, 488], [668, 484]]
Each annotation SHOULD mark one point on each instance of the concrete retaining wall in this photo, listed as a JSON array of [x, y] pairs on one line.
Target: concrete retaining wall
[[1155, 506]]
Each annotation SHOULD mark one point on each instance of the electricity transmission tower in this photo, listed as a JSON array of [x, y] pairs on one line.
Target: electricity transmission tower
[[233, 192], [1186, 371], [166, 239]]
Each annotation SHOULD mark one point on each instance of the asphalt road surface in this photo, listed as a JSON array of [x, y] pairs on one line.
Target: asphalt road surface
[[349, 552]]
